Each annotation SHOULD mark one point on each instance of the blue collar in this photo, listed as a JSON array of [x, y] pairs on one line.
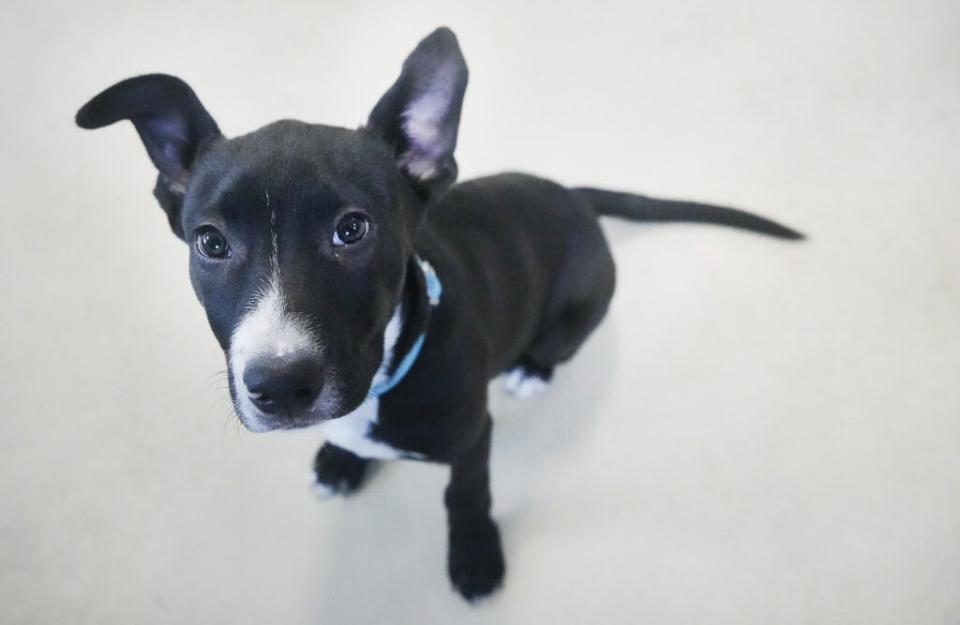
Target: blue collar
[[434, 289]]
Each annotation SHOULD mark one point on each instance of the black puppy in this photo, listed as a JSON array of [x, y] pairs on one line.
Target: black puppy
[[352, 287]]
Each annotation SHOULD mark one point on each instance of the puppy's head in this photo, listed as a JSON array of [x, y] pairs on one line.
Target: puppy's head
[[300, 235]]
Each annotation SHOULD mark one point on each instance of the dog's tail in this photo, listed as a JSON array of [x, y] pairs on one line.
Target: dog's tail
[[643, 208]]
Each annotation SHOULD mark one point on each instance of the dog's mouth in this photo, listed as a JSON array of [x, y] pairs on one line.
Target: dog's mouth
[[256, 420], [259, 412], [285, 423]]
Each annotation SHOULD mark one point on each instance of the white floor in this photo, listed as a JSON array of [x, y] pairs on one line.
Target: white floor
[[760, 432]]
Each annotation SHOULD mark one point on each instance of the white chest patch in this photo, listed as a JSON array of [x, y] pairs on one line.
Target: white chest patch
[[351, 432]]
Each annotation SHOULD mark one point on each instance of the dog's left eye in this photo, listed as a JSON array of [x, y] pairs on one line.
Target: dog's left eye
[[351, 228], [211, 243]]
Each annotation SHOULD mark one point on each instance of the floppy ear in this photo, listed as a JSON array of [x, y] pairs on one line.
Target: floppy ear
[[419, 116], [170, 120]]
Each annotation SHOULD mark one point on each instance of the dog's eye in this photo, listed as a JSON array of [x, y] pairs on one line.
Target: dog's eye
[[351, 228], [211, 243]]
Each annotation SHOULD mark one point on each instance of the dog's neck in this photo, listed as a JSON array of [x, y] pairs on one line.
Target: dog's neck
[[407, 327]]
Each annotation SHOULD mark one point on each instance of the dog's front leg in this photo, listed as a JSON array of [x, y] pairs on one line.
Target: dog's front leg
[[338, 471], [475, 559]]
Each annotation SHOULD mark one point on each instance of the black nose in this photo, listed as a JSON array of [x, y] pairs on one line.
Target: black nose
[[282, 385]]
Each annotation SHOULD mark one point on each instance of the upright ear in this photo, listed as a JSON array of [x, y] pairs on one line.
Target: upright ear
[[171, 122], [419, 116]]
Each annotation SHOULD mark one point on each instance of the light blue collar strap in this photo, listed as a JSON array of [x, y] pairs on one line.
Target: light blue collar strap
[[434, 289]]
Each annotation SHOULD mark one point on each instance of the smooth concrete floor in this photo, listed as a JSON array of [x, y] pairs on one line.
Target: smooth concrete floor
[[759, 433]]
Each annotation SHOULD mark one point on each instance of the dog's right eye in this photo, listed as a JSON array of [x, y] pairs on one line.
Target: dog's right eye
[[211, 243]]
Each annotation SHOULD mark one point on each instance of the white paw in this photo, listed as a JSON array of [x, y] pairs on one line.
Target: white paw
[[521, 384]]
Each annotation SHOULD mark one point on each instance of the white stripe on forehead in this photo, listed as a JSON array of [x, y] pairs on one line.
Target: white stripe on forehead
[[269, 328], [274, 240]]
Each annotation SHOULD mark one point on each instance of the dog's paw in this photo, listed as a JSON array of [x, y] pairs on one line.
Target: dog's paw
[[475, 560], [336, 471], [523, 381]]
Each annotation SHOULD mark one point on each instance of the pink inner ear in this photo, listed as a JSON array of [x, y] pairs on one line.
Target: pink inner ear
[[423, 125]]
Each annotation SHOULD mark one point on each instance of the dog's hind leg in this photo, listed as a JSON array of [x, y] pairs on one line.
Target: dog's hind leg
[[557, 344], [337, 471], [584, 294]]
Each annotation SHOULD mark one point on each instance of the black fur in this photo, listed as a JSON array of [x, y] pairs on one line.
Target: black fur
[[643, 208], [526, 272]]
